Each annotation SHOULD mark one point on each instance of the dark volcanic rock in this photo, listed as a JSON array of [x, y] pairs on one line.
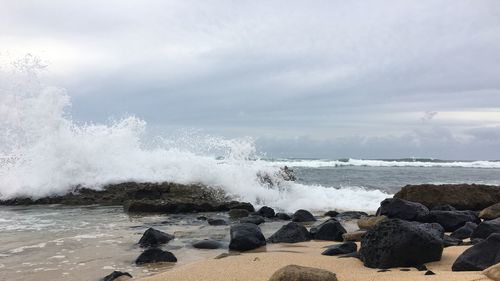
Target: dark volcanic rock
[[451, 220], [350, 215], [153, 238], [217, 222], [207, 244], [465, 231], [340, 249], [331, 214], [290, 233], [402, 209], [238, 213], [451, 241], [446, 207], [479, 256], [398, 243], [255, 219], [460, 196], [154, 255], [283, 216], [303, 216], [246, 236], [114, 275], [241, 205], [329, 230], [484, 229], [266, 212]]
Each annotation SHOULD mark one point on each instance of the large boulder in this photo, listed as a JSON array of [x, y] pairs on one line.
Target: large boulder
[[460, 196], [301, 273], [266, 212], [154, 238], [303, 216], [154, 255], [402, 209], [484, 229], [246, 236], [480, 256], [291, 232], [398, 243], [490, 213], [329, 230], [465, 231], [451, 220], [340, 249]]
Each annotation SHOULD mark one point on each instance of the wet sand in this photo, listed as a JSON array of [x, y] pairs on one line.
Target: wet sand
[[261, 264]]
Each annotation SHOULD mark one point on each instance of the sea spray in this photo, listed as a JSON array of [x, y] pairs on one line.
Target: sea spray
[[45, 152]]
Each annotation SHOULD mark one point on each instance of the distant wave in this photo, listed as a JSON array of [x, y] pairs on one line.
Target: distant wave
[[406, 162]]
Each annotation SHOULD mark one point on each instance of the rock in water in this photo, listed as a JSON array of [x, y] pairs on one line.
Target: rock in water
[[351, 215], [301, 273], [490, 213], [451, 220], [253, 219], [153, 238], [460, 196], [238, 213], [484, 229], [242, 205], [246, 236], [207, 244], [465, 231], [479, 256], [117, 276], [217, 222], [266, 212], [303, 216], [370, 221], [398, 243], [331, 214], [290, 233], [155, 255], [402, 209], [329, 230], [493, 272], [283, 216], [340, 249]]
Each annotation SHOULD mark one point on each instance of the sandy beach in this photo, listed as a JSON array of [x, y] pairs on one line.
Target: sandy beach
[[261, 264]]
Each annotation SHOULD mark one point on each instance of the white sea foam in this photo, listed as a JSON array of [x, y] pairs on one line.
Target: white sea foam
[[46, 152]]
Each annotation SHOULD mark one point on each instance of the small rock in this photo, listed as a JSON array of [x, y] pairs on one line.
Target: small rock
[[353, 236], [329, 230], [331, 214], [217, 222], [246, 236], [117, 276], [465, 231], [155, 255], [404, 269], [201, 218], [290, 233], [479, 256], [490, 213], [266, 212], [402, 209], [238, 213], [351, 215], [484, 229], [421, 267], [340, 249], [153, 238], [207, 244], [242, 205], [451, 241], [303, 216], [383, 270], [283, 216], [429, 272], [370, 222], [493, 272], [301, 273], [253, 219]]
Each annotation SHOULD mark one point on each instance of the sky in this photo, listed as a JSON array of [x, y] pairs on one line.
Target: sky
[[323, 79]]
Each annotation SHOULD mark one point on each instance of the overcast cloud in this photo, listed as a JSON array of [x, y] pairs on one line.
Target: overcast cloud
[[366, 79]]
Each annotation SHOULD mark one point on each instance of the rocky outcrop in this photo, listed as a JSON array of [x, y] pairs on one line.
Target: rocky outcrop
[[302, 273], [340, 249], [486, 228], [479, 256], [329, 230], [490, 213], [460, 196], [398, 243], [246, 236], [290, 233], [154, 255], [402, 209], [451, 220], [154, 238], [303, 216]]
